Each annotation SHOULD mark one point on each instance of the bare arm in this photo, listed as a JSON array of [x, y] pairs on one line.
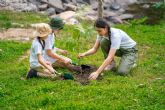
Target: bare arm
[[61, 51], [107, 61], [43, 63], [90, 51], [54, 55]]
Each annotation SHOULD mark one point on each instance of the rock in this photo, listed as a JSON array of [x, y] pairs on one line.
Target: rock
[[67, 14], [90, 17], [71, 21], [74, 2], [80, 1], [121, 10], [87, 1], [109, 13], [91, 12], [50, 11], [53, 16], [24, 7], [43, 7], [57, 4], [115, 20], [36, 2], [126, 16], [66, 1], [70, 7], [30, 8], [146, 6], [115, 6], [126, 2]]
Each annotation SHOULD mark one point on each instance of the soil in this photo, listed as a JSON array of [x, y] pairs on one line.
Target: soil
[[82, 77], [17, 34]]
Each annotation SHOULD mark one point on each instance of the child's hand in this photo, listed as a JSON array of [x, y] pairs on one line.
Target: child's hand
[[93, 76], [67, 61], [81, 55], [64, 52], [51, 70], [48, 63]]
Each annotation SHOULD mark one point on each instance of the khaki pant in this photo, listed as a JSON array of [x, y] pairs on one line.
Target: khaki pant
[[43, 72], [128, 56]]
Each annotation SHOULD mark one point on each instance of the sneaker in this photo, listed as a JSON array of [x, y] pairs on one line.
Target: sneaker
[[32, 73], [110, 66]]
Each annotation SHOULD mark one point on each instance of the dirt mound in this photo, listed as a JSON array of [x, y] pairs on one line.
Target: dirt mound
[[82, 77], [17, 34]]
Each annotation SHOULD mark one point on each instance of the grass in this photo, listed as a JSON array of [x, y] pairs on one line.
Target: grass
[[9, 19], [143, 89]]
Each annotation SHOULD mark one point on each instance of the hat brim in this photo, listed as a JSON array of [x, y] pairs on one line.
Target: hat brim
[[41, 35]]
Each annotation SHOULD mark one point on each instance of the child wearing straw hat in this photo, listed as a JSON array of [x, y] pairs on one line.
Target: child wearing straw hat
[[38, 64]]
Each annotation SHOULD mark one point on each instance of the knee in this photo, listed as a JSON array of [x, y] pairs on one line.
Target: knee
[[122, 72]]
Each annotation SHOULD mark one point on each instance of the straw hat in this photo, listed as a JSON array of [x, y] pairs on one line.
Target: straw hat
[[42, 29]]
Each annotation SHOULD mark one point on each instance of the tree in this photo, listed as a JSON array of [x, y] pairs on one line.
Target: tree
[[100, 8]]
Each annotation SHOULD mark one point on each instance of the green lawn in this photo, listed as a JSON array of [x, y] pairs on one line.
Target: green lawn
[[10, 19], [143, 89]]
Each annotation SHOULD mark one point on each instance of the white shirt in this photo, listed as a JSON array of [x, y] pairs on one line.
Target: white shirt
[[49, 44], [119, 39], [36, 48]]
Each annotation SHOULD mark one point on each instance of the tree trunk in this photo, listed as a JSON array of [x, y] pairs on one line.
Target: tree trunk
[[100, 8]]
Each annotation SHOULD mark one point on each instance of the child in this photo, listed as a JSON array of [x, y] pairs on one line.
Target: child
[[39, 66], [113, 42], [51, 55]]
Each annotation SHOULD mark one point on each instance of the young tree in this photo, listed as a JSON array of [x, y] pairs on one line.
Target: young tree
[[100, 8]]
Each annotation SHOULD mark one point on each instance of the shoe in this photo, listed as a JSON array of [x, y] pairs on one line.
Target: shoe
[[110, 66], [32, 73]]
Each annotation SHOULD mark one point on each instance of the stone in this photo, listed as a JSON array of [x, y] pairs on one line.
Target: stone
[[57, 4], [90, 17], [115, 20], [71, 21], [115, 6], [53, 16], [67, 14], [50, 11], [109, 13], [145, 6], [24, 7], [126, 16], [74, 2], [43, 7], [80, 1], [87, 1], [70, 7], [66, 1]]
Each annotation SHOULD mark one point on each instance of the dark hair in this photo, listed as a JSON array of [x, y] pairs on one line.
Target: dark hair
[[101, 23], [42, 42]]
